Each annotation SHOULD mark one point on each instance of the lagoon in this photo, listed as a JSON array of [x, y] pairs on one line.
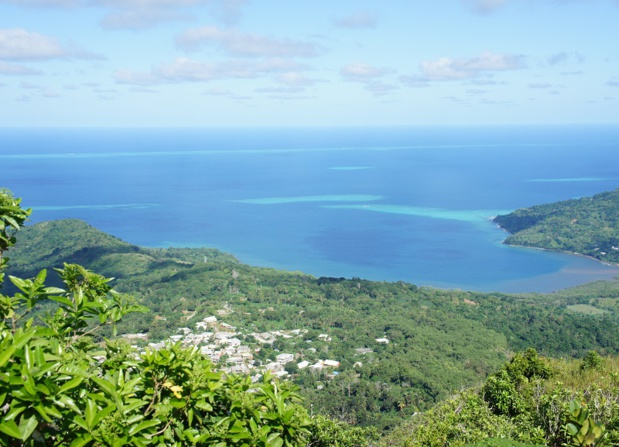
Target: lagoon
[[395, 204]]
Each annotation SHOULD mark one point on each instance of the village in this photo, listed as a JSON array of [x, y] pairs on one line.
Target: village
[[222, 343]]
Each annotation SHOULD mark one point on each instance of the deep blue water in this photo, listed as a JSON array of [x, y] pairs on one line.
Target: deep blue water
[[409, 204]]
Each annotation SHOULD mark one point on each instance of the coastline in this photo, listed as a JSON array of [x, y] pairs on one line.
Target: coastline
[[566, 252]]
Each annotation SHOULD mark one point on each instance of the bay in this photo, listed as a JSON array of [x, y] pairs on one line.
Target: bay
[[410, 204]]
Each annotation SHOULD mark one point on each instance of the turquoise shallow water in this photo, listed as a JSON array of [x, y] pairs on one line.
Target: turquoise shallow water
[[411, 204]]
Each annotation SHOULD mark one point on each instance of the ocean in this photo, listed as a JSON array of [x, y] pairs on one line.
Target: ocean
[[394, 204]]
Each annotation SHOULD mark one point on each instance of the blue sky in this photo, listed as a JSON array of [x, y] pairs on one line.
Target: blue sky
[[217, 63]]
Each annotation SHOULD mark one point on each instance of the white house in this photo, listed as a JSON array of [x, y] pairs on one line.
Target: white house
[[331, 363], [284, 358]]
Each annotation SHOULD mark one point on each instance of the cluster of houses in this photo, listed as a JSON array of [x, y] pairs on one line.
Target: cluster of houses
[[221, 343]]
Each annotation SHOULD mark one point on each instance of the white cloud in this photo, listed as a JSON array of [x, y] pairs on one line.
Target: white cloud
[[229, 11], [187, 70], [279, 90], [16, 70], [141, 14], [225, 93], [47, 93], [540, 85], [361, 72], [414, 81], [558, 58], [20, 45], [380, 88], [457, 100], [218, 92], [141, 18], [572, 73], [45, 3], [564, 57], [240, 44], [446, 69], [358, 20], [484, 82], [485, 6], [30, 86], [295, 79], [369, 76]]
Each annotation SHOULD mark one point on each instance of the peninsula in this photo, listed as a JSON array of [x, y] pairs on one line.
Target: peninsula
[[587, 226]]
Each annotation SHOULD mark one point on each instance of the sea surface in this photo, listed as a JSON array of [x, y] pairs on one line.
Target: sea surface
[[395, 204]]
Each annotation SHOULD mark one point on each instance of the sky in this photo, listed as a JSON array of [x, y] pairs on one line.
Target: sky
[[254, 63]]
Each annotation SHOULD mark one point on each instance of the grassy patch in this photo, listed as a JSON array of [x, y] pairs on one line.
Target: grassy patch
[[586, 309]]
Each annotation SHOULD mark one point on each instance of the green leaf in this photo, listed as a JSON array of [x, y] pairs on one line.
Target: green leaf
[[39, 356], [82, 440], [70, 384], [29, 385], [40, 408], [73, 370], [571, 429], [143, 426], [81, 422], [21, 284], [274, 440], [120, 442], [91, 412], [62, 300], [18, 342], [135, 418], [102, 414], [15, 411], [53, 291], [26, 427], [10, 428], [106, 386]]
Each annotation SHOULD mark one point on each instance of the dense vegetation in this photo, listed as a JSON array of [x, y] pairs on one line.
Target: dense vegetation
[[439, 341], [530, 400], [588, 226], [65, 381]]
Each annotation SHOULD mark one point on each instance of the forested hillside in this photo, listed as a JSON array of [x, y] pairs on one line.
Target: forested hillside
[[426, 367], [529, 401], [435, 342], [588, 226]]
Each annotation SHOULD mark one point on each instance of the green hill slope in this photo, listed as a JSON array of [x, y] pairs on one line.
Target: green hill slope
[[529, 401], [439, 341], [50, 244], [588, 226]]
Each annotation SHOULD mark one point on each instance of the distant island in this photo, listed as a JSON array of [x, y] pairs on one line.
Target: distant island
[[587, 226]]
